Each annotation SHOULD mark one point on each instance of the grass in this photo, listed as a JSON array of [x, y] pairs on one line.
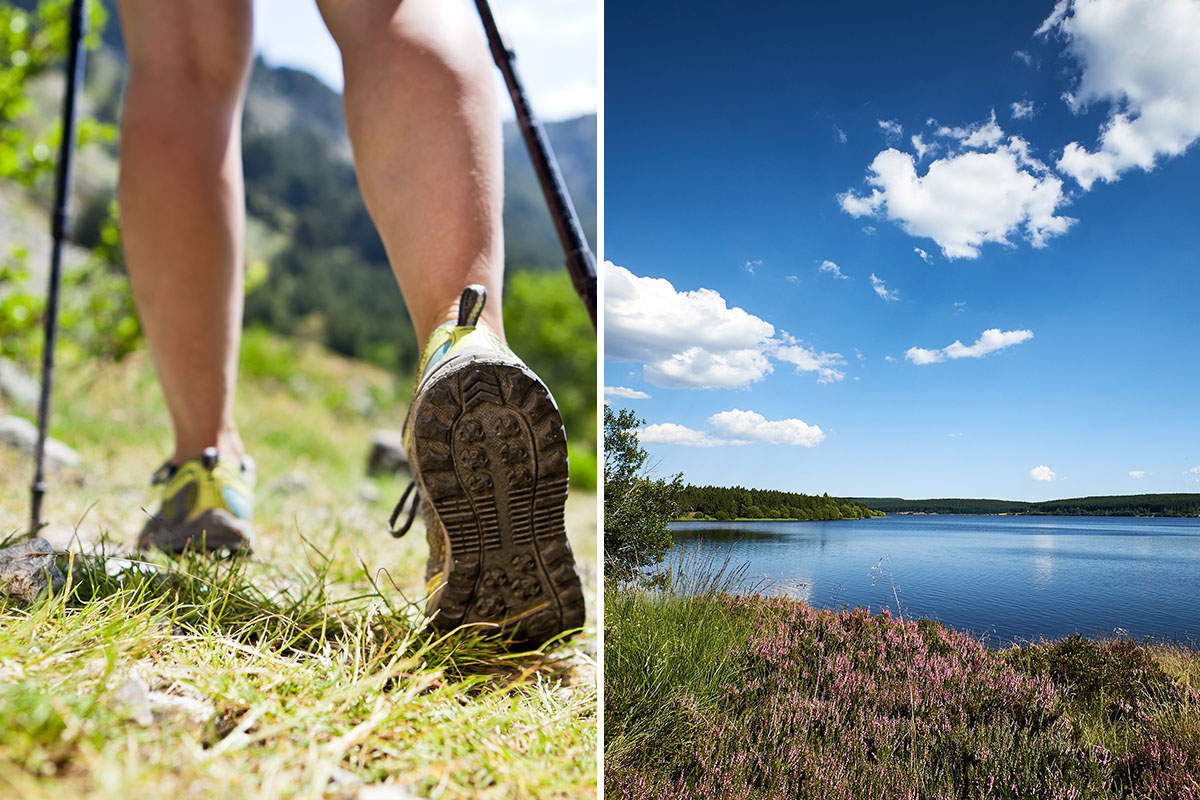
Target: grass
[[304, 672], [783, 700]]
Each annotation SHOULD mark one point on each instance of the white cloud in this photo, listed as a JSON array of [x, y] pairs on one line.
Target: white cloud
[[750, 265], [624, 393], [1022, 109], [1137, 474], [1042, 473], [891, 128], [1193, 471], [881, 289], [869, 230], [670, 433], [981, 135], [924, 256], [834, 269], [793, 279], [955, 435], [734, 429], [741, 425], [919, 145], [960, 306], [890, 359], [693, 340], [1140, 57], [988, 342], [839, 135], [686, 339], [805, 359], [985, 189], [1023, 57]]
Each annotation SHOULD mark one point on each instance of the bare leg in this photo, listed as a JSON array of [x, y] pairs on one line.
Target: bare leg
[[182, 203], [424, 121]]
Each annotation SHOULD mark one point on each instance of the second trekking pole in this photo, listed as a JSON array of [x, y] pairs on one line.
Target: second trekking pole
[[581, 263], [76, 48]]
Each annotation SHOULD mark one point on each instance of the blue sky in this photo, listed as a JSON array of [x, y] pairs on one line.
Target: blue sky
[[555, 43], [923, 250]]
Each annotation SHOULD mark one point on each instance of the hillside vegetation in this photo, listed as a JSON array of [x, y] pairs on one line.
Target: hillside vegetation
[[726, 504], [1132, 505]]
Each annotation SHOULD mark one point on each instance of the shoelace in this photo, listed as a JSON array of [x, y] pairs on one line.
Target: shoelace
[[412, 510]]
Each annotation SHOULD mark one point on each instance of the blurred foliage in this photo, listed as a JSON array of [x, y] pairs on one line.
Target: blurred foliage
[[97, 317], [32, 42], [546, 325]]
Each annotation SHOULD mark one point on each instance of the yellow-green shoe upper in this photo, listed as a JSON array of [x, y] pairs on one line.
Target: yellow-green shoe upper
[[206, 505]]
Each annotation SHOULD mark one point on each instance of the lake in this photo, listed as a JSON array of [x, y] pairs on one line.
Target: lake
[[1003, 578]]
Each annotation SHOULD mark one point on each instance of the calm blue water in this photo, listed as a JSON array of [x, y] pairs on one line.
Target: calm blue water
[[1005, 578]]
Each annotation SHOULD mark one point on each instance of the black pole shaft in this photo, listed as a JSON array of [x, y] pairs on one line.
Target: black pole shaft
[[75, 63], [581, 263]]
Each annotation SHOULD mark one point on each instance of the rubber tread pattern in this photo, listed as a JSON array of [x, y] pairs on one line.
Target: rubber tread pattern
[[491, 457]]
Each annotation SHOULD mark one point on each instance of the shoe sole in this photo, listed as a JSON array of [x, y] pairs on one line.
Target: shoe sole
[[491, 456], [213, 531]]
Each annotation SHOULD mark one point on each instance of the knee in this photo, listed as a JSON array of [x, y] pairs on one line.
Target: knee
[[433, 40], [194, 63]]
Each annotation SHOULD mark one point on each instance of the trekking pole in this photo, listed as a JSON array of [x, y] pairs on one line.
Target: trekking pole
[[581, 263], [75, 63]]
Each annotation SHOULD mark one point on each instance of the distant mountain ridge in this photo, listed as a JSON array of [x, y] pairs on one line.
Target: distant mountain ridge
[[1131, 505]]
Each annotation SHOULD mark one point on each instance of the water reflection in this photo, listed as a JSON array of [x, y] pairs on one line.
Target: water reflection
[[1020, 577]]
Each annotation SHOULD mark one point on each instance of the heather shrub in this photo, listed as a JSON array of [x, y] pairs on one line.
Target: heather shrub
[[793, 702]]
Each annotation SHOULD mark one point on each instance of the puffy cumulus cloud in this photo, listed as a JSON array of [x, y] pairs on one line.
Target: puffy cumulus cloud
[[1142, 58], [1022, 109], [833, 269], [966, 198], [806, 359], [693, 339], [881, 289], [924, 256], [670, 433], [624, 393], [1192, 475], [697, 368], [741, 425], [1137, 474], [734, 429], [988, 342], [1042, 473], [686, 339]]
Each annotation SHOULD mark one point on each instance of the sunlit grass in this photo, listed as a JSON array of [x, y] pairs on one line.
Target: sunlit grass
[[303, 672]]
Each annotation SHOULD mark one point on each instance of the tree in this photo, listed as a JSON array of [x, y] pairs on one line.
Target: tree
[[637, 508]]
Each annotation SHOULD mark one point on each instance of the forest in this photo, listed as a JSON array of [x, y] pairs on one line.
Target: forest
[[1135, 505], [727, 504]]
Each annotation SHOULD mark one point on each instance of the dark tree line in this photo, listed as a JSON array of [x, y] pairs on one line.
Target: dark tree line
[[724, 503], [1137, 505]]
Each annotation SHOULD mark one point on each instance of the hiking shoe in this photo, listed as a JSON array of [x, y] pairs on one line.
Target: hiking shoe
[[206, 504], [489, 456]]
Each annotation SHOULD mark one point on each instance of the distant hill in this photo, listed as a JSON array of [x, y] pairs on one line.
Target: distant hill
[[1133, 505], [728, 503]]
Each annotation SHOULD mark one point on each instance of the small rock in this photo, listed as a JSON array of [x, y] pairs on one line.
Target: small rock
[[384, 791], [387, 453], [28, 570], [17, 385], [21, 434], [290, 483], [134, 696]]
